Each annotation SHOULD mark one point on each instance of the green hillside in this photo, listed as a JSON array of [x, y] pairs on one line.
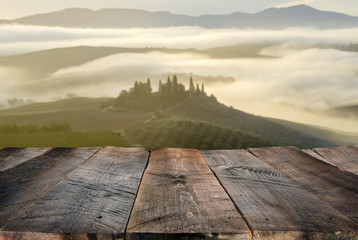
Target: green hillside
[[188, 134], [342, 139], [173, 100], [83, 114], [140, 104], [62, 139], [211, 111]]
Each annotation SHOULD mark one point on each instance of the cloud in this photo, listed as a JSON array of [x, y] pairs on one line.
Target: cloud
[[10, 80], [18, 38]]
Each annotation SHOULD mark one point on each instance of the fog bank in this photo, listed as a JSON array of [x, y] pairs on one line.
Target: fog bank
[[16, 39]]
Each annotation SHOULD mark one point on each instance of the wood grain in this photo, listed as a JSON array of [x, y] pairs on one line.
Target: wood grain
[[337, 188], [180, 198], [274, 205], [10, 157], [22, 185], [95, 198], [54, 236], [345, 158]]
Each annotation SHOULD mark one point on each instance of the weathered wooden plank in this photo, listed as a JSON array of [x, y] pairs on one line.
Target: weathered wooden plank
[[22, 185], [53, 236], [180, 198], [345, 158], [10, 157], [337, 188], [96, 198], [304, 236], [274, 206]]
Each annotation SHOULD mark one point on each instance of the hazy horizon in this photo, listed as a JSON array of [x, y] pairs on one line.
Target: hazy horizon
[[295, 73], [11, 9]]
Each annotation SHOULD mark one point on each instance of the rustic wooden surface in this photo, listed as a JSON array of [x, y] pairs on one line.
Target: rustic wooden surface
[[345, 158], [92, 193], [179, 196], [97, 197], [22, 185], [273, 204], [337, 188], [10, 157]]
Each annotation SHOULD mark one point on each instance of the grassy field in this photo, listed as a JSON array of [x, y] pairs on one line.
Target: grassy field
[[70, 139], [83, 114]]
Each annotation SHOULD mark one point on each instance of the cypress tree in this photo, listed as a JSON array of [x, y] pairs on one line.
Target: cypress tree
[[160, 86], [202, 88], [191, 87], [169, 86], [149, 87], [197, 89], [175, 85], [136, 88]]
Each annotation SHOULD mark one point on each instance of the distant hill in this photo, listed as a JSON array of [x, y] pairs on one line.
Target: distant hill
[[45, 62], [345, 111], [272, 18], [42, 63]]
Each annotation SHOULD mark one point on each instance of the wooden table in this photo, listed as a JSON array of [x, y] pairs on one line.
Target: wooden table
[[133, 193]]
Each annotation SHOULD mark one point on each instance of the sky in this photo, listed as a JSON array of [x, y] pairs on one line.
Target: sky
[[19, 8]]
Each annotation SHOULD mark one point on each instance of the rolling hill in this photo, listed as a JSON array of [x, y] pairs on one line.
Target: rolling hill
[[42, 63], [350, 111], [189, 134], [338, 138], [211, 111], [45, 62], [272, 18], [84, 114], [51, 60]]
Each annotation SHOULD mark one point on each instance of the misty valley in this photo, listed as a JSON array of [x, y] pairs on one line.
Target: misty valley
[[212, 83]]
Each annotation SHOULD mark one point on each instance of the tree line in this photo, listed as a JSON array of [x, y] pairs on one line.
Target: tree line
[[142, 97]]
